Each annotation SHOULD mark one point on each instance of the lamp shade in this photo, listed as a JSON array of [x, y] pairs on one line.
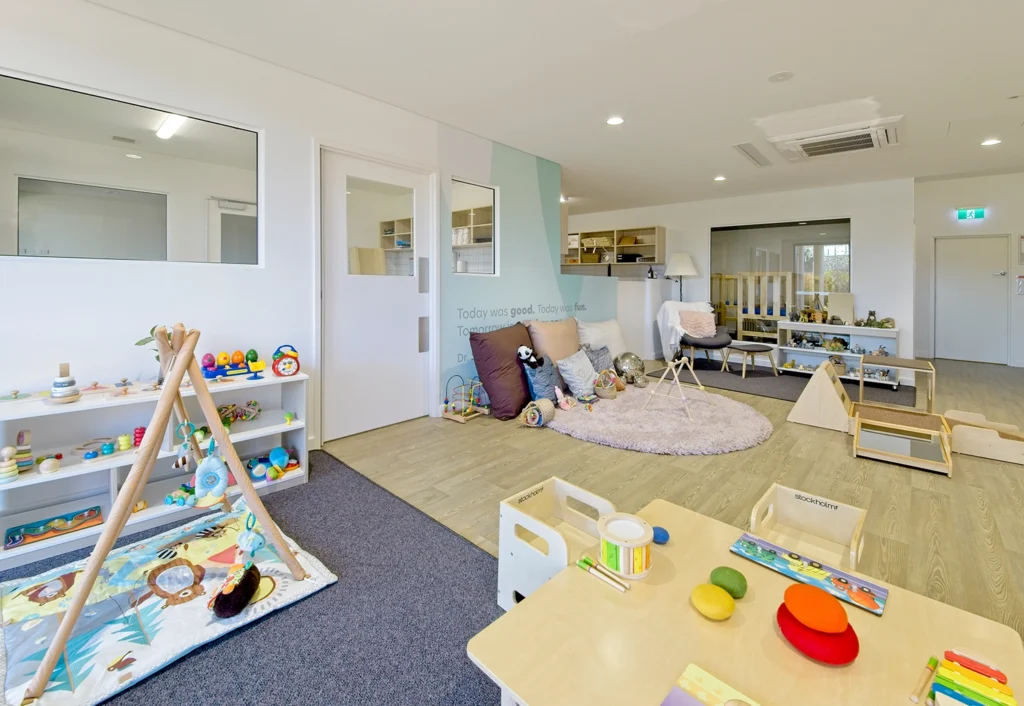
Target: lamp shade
[[680, 264]]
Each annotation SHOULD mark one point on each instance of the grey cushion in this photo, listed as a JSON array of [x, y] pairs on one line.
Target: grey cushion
[[600, 358], [544, 379], [721, 339]]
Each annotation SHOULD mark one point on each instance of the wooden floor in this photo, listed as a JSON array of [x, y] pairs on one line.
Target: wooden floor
[[958, 540]]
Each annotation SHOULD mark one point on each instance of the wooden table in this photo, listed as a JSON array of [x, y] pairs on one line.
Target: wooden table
[[577, 641], [918, 366]]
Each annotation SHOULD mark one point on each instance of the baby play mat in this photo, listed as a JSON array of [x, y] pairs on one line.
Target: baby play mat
[[719, 424], [147, 609]]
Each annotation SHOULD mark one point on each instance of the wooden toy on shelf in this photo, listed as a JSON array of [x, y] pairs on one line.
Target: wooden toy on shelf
[[15, 395], [65, 389], [809, 524], [974, 435], [8, 466], [229, 366], [177, 356]]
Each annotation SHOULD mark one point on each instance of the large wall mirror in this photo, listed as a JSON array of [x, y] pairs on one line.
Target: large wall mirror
[[89, 177]]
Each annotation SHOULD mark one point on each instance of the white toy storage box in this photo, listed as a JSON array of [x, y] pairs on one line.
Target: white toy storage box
[[539, 534], [810, 525]]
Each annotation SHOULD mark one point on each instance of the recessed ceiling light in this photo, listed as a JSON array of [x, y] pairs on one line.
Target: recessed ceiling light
[[133, 156], [991, 141], [780, 76], [802, 223], [615, 120], [170, 126], [719, 178]]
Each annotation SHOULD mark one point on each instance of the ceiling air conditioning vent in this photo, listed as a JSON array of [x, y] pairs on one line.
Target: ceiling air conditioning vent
[[873, 135], [126, 140]]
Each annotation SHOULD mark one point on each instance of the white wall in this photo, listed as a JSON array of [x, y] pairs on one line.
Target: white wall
[[935, 212], [881, 237], [90, 312], [187, 183]]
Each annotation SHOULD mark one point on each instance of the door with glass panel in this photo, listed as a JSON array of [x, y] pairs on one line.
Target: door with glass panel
[[374, 225]]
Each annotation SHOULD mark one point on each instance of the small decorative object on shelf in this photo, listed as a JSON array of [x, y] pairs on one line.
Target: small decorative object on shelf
[[286, 361], [49, 465], [872, 318], [14, 396], [23, 451], [858, 349], [835, 344], [140, 506], [880, 351], [64, 389], [236, 364], [138, 434], [8, 466]]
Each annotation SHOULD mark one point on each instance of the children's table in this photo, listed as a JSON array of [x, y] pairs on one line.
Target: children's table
[[577, 641]]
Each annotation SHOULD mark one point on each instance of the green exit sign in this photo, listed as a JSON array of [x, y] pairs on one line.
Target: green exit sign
[[970, 214]]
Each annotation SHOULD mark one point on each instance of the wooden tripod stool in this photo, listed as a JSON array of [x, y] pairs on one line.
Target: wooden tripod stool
[[177, 357]]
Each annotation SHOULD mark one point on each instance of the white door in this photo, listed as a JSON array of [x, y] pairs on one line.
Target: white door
[[971, 299], [375, 229]]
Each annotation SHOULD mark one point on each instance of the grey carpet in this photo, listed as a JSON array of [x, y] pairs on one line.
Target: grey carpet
[[392, 630], [787, 386]]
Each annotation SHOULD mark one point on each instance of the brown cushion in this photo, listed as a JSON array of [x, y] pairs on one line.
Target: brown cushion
[[497, 363], [556, 340]]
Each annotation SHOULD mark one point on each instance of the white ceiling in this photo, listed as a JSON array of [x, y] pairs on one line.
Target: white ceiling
[[689, 76], [78, 116]]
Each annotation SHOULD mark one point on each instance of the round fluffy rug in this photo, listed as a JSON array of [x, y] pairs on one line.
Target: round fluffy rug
[[719, 424]]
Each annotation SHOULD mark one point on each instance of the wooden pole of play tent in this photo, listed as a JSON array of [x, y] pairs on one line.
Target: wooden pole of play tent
[[182, 361]]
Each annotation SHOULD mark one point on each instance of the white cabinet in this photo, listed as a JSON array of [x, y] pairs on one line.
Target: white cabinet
[[82, 484]]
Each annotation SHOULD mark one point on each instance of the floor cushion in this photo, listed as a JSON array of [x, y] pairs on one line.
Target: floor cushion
[[497, 364], [556, 340], [578, 373], [600, 358], [544, 379], [602, 334]]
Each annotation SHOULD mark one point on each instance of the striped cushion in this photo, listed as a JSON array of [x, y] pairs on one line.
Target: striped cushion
[[697, 324]]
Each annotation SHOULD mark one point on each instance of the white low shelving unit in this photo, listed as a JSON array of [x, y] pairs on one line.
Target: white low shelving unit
[[81, 484], [869, 338]]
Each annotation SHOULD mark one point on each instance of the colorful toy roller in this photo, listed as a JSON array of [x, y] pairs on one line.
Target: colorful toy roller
[[625, 544]]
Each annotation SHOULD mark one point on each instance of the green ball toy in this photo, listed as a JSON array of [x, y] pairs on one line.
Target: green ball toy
[[732, 581], [252, 356]]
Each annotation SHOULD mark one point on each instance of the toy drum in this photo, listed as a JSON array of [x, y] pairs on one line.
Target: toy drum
[[625, 544]]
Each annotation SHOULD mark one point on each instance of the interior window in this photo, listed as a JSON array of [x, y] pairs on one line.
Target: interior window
[[474, 229]]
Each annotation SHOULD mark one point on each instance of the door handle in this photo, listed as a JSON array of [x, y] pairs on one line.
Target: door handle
[[999, 274]]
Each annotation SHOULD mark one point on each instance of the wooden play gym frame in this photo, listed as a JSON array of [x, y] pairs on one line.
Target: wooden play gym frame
[[177, 357]]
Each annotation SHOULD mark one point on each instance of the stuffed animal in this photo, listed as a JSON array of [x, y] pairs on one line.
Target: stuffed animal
[[528, 358]]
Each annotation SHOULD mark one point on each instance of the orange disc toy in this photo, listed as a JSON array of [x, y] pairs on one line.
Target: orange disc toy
[[816, 609]]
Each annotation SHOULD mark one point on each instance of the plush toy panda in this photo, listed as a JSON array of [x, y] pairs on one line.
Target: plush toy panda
[[528, 358]]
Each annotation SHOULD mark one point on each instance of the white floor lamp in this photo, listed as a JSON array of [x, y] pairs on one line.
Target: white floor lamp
[[680, 265]]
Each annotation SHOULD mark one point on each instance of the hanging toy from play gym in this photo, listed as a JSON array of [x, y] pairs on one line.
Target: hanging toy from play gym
[[211, 479]]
